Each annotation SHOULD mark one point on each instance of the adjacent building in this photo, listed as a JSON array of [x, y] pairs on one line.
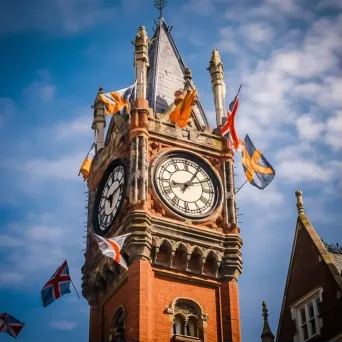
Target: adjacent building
[[312, 303]]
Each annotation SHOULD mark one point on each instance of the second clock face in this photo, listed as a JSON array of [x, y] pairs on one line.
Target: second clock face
[[109, 197], [187, 185]]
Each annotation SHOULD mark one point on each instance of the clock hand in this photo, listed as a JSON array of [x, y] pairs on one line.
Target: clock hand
[[110, 197], [203, 181], [188, 183]]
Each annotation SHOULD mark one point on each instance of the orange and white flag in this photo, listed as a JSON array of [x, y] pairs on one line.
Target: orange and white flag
[[85, 167], [181, 114], [111, 248], [119, 101]]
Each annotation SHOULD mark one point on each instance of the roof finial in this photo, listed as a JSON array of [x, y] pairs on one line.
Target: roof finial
[[300, 203], [266, 335], [160, 4]]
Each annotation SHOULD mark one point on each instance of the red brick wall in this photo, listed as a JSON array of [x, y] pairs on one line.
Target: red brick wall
[[145, 296], [167, 289], [307, 274], [231, 311]]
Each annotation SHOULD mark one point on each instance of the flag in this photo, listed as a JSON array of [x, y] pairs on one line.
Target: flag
[[258, 170], [181, 114], [112, 247], [119, 101], [10, 325], [229, 126], [57, 286], [85, 167]]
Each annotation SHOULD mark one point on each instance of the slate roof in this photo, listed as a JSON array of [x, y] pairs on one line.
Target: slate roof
[[166, 72]]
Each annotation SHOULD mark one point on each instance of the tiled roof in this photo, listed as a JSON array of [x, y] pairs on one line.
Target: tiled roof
[[166, 73], [337, 260]]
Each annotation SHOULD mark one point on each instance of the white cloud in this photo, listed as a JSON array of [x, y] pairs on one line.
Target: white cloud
[[65, 168], [40, 89], [75, 128], [258, 32], [333, 135], [44, 233], [307, 128], [63, 325], [227, 42]]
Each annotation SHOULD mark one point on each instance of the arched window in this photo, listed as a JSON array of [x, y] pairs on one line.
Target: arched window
[[178, 325], [117, 327], [192, 327], [187, 320]]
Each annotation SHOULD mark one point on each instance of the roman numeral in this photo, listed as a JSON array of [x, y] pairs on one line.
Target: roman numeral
[[186, 206], [204, 200], [175, 200], [175, 165], [167, 190]]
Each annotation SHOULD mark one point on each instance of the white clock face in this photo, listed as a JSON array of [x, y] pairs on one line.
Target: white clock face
[[187, 185], [109, 199]]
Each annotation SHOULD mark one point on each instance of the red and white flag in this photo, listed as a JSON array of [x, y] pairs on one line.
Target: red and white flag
[[111, 248]]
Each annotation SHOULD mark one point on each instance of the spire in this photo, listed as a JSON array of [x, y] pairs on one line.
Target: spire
[[167, 71], [160, 4], [266, 335], [218, 85], [300, 203]]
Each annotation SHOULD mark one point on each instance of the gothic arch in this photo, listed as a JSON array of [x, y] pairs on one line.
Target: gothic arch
[[188, 317], [117, 325]]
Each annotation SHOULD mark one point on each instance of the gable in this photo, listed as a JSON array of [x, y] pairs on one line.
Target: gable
[[166, 74], [310, 267]]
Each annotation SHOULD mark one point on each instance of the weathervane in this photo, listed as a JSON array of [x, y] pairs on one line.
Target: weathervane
[[160, 4]]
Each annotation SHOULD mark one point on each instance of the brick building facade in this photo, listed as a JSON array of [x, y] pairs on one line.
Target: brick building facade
[[181, 283], [312, 302]]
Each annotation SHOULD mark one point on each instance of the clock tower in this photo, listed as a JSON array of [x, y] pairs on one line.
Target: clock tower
[[172, 189]]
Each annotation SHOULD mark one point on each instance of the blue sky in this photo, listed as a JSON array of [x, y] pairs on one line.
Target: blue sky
[[56, 54]]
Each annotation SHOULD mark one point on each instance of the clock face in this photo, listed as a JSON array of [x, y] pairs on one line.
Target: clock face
[[187, 185], [109, 197]]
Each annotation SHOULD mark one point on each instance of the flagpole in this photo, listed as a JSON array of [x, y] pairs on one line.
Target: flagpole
[[75, 289], [241, 186]]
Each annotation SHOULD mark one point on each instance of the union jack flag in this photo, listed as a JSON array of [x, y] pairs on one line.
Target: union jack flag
[[57, 286], [10, 325]]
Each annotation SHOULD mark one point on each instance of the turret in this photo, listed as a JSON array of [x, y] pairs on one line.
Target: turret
[[218, 85], [99, 122]]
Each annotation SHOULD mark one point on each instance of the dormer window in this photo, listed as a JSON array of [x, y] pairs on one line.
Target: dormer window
[[305, 312]]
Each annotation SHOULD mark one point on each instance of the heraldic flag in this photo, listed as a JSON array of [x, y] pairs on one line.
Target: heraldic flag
[[57, 286], [119, 101], [112, 248], [10, 325], [258, 170], [229, 126], [181, 114], [85, 167]]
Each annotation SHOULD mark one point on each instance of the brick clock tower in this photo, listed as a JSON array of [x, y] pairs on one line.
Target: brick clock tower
[[176, 200]]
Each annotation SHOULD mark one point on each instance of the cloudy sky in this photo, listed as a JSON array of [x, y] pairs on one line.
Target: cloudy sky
[[55, 54]]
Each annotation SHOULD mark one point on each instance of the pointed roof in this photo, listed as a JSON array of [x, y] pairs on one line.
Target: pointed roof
[[266, 335], [166, 73], [329, 258]]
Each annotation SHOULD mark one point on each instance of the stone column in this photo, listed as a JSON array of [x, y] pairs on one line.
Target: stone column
[[141, 61], [218, 85], [99, 122]]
